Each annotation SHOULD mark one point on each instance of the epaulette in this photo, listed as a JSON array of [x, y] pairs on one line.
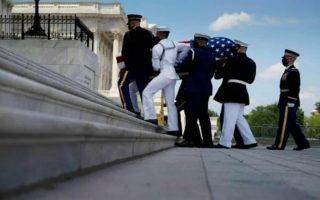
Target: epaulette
[[294, 69]]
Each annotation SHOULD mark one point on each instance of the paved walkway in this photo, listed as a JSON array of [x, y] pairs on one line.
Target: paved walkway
[[199, 174]]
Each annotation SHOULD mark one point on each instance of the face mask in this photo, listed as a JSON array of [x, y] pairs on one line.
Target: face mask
[[285, 62]]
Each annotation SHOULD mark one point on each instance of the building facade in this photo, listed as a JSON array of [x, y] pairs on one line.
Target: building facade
[[5, 7]]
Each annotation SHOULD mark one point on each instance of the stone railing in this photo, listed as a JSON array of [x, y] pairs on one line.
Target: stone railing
[[51, 126]]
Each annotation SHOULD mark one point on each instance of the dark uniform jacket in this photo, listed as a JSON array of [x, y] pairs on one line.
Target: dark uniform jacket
[[239, 68], [200, 62], [290, 87], [200, 66], [137, 51]]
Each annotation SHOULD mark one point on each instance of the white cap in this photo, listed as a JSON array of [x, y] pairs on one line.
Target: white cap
[[200, 35], [163, 29], [238, 42]]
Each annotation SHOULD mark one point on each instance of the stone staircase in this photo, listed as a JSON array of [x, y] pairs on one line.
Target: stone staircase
[[51, 126]]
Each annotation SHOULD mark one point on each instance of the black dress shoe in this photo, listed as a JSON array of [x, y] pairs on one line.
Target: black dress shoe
[[301, 148], [219, 146], [153, 121], [273, 147], [249, 146], [138, 115], [184, 143]]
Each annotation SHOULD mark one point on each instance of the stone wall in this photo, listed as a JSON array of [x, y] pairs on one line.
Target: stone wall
[[51, 125], [70, 58]]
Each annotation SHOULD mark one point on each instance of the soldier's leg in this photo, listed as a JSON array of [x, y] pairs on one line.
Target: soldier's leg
[[286, 122], [133, 90], [205, 123], [142, 82], [169, 95], [231, 112], [152, 88], [221, 116], [179, 124], [123, 85], [237, 136], [244, 128], [298, 136], [192, 132]]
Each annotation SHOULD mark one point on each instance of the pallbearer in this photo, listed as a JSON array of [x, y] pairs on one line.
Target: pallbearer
[[237, 72], [136, 50], [288, 104], [164, 56], [196, 89]]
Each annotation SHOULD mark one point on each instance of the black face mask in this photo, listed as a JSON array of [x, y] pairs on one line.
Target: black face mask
[[285, 62]]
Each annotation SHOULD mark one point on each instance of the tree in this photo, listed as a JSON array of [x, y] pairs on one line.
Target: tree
[[313, 120], [268, 115], [318, 106], [212, 113]]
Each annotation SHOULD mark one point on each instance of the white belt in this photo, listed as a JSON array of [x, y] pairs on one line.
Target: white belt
[[284, 90], [237, 81]]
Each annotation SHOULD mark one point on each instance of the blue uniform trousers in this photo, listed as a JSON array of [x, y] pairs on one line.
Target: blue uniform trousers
[[287, 124]]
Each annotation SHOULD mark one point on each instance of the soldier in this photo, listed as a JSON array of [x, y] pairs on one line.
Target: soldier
[[288, 104], [196, 89], [164, 56], [237, 72], [136, 50]]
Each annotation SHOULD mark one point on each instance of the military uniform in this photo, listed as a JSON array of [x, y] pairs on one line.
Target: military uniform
[[136, 50], [164, 56], [288, 104], [237, 72], [194, 95]]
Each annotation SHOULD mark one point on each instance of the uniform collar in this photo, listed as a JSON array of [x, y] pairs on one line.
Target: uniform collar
[[289, 67]]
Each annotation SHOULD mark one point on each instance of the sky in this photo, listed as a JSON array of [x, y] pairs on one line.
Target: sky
[[269, 26]]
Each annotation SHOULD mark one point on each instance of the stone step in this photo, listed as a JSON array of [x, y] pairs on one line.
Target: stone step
[[51, 126]]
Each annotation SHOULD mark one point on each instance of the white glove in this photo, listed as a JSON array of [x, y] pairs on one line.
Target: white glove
[[290, 105]]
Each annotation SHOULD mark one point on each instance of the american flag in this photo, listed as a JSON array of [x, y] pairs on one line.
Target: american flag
[[221, 47]]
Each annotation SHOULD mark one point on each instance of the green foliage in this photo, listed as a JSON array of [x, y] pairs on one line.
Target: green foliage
[[268, 115], [313, 120], [212, 113], [264, 115]]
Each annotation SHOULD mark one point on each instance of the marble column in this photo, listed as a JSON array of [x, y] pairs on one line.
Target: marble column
[[115, 70], [97, 40]]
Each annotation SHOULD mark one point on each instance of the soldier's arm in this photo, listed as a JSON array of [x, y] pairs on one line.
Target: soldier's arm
[[252, 74], [293, 86], [150, 39], [186, 64], [183, 51], [156, 56], [125, 48]]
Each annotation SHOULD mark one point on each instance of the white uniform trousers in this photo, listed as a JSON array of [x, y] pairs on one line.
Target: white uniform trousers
[[233, 115], [133, 90], [168, 87]]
